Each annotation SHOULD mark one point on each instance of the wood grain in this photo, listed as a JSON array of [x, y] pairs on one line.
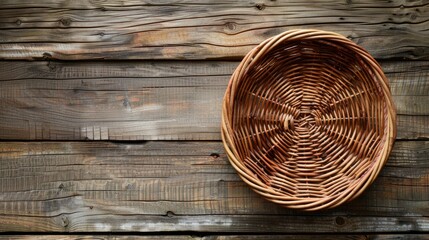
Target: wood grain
[[219, 237], [186, 186], [206, 29], [153, 100]]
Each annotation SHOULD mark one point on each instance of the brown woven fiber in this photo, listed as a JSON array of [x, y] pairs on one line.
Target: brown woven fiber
[[308, 120]]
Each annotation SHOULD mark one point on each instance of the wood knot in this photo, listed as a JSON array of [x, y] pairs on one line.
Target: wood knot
[[65, 221], [230, 26]]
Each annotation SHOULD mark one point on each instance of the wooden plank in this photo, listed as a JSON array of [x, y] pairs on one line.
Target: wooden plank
[[220, 237], [186, 186], [153, 100], [202, 30]]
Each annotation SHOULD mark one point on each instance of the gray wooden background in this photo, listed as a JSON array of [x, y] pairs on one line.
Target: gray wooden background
[[110, 119]]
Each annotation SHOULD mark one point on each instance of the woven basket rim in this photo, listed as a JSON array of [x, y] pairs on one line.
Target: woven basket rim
[[229, 139]]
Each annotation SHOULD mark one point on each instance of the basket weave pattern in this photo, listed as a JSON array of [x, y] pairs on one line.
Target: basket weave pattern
[[308, 120]]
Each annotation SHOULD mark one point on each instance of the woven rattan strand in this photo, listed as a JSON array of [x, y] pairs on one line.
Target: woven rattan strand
[[308, 119]]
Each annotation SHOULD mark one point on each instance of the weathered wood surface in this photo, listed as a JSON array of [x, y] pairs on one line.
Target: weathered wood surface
[[219, 237], [92, 29], [186, 186], [153, 100]]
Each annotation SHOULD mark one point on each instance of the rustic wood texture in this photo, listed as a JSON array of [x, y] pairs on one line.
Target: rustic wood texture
[[92, 29], [219, 237], [186, 186], [153, 100], [69, 186]]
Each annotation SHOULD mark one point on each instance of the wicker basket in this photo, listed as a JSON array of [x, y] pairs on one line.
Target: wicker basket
[[308, 120]]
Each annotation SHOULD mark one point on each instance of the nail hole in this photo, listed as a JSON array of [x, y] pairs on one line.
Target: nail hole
[[61, 186], [51, 66], [18, 22], [260, 6], [170, 214], [126, 103], [340, 221], [214, 155], [65, 21], [46, 55]]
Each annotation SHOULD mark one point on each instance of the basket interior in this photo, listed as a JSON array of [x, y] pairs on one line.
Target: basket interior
[[309, 118]]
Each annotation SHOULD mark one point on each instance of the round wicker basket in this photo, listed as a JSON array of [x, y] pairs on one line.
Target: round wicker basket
[[308, 119]]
